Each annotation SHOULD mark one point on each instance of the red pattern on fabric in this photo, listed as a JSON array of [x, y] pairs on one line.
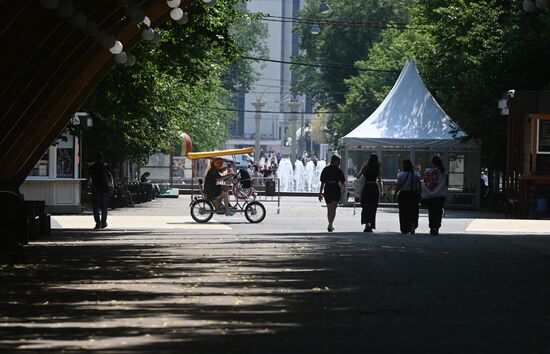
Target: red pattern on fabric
[[431, 178]]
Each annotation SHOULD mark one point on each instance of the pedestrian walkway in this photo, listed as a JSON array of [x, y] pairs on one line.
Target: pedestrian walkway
[[151, 292], [300, 214], [135, 222], [513, 226], [266, 289]]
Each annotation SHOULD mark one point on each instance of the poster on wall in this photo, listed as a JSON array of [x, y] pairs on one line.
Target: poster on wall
[[65, 166], [65, 157]]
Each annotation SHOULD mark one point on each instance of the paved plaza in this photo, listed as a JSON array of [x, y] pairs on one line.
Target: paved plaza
[[157, 282]]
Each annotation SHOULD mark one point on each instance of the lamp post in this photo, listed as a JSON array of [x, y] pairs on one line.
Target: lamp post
[[294, 107], [258, 105]]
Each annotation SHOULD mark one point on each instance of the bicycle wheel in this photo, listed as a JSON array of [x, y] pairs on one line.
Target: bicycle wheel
[[202, 210], [254, 212]]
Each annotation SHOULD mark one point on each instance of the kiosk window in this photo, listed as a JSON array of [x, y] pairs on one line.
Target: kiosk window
[[41, 168], [543, 141]]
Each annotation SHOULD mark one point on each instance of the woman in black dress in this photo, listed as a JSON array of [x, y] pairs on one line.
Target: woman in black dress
[[371, 192], [333, 184], [408, 187]]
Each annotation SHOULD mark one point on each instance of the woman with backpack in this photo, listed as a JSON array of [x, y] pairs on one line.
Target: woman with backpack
[[434, 191], [408, 187]]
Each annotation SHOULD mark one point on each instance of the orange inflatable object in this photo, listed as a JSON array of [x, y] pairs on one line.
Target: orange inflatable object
[[185, 147]]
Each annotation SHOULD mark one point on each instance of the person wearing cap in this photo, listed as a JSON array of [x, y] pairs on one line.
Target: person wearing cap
[[215, 192]]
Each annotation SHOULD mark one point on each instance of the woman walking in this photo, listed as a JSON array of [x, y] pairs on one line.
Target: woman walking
[[333, 185], [371, 192], [408, 187], [434, 190]]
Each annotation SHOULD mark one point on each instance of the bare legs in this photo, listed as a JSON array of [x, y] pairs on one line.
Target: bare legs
[[224, 196], [331, 214], [225, 199]]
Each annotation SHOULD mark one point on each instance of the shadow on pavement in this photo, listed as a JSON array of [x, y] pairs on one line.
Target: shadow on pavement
[[130, 292]]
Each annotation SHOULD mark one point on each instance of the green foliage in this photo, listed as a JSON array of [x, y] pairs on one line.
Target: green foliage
[[141, 109], [368, 89], [347, 38], [469, 54], [472, 52]]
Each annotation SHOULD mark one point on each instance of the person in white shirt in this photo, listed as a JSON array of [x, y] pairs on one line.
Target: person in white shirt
[[434, 191]]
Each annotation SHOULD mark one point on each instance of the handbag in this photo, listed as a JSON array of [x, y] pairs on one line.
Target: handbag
[[358, 185]]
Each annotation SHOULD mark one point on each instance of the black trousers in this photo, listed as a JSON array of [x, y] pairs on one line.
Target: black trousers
[[408, 210], [100, 201], [435, 211], [369, 204]]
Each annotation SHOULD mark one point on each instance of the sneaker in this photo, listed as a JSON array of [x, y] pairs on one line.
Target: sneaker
[[330, 228], [104, 225], [97, 226]]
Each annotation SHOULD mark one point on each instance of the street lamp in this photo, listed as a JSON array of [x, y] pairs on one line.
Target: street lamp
[[315, 29], [258, 105], [294, 107], [324, 8]]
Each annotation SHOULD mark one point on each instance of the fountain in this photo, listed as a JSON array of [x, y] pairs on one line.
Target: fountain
[[286, 175], [309, 175], [318, 169], [300, 178]]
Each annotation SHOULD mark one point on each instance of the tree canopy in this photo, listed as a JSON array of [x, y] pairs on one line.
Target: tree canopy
[[468, 52], [367, 89], [471, 52], [174, 84], [347, 34]]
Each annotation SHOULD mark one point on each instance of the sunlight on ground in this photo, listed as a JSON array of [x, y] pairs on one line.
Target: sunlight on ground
[[181, 295], [120, 222], [509, 226]]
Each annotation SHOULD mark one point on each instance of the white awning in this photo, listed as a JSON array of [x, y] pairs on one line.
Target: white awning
[[409, 111]]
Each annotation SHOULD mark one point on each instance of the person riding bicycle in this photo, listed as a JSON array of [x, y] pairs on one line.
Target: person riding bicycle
[[213, 185]]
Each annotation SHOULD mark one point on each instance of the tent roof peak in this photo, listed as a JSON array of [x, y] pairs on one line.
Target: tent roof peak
[[409, 111]]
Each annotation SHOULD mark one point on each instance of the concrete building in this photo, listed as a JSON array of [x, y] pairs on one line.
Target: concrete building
[[273, 87]]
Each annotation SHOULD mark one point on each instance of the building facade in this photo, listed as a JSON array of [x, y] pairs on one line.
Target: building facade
[[273, 86]]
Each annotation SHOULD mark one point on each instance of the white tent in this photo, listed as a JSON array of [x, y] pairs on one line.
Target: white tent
[[409, 123]]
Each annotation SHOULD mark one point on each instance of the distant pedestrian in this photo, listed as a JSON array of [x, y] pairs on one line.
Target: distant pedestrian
[[145, 177], [434, 191], [256, 171], [372, 192], [333, 185], [102, 184], [408, 187]]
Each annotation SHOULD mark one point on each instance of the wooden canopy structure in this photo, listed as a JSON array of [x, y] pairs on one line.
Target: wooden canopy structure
[[49, 67]]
